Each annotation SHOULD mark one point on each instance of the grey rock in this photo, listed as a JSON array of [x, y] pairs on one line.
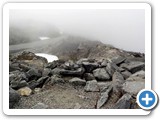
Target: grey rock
[[89, 76], [41, 81], [33, 73], [124, 102], [80, 61], [17, 76], [104, 63], [40, 106], [117, 78], [33, 84], [133, 66], [89, 67], [133, 85], [14, 97], [91, 86], [22, 83], [118, 59], [104, 96], [77, 82], [46, 72], [140, 74], [55, 79], [101, 74], [77, 72], [51, 65], [126, 74], [56, 71], [111, 68]]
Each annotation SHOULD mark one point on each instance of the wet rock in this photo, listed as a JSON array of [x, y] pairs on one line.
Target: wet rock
[[89, 67], [91, 86], [77, 82], [77, 72], [89, 76], [101, 74], [124, 102], [25, 91], [104, 96], [126, 74], [14, 97], [40, 106], [133, 66], [55, 79]]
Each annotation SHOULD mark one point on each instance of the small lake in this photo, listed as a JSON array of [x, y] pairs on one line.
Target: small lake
[[49, 57]]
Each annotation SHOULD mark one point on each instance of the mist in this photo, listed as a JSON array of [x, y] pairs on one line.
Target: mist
[[124, 29]]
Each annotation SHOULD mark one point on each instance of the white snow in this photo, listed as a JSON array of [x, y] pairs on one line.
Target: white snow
[[50, 58]]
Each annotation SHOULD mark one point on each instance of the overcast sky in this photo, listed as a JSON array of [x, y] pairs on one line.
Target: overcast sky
[[121, 28]]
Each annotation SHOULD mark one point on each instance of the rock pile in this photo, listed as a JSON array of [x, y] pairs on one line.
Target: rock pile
[[119, 75]]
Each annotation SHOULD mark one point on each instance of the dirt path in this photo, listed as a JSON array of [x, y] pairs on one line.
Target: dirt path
[[60, 97]]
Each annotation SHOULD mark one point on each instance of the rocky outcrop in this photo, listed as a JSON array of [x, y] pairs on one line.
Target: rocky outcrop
[[115, 80]]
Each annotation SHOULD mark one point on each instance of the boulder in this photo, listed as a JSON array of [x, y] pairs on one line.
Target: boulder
[[89, 67], [91, 86], [33, 73], [30, 59], [14, 97], [118, 60], [104, 96], [124, 102], [17, 76], [40, 106], [140, 74], [111, 68], [101, 74], [133, 66], [77, 82], [19, 84], [25, 91], [78, 72], [88, 76], [126, 74], [133, 87], [117, 78]]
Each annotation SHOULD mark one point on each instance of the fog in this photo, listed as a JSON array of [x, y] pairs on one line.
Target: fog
[[123, 29]]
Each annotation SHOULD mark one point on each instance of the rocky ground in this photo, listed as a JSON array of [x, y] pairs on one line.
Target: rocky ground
[[86, 83]]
